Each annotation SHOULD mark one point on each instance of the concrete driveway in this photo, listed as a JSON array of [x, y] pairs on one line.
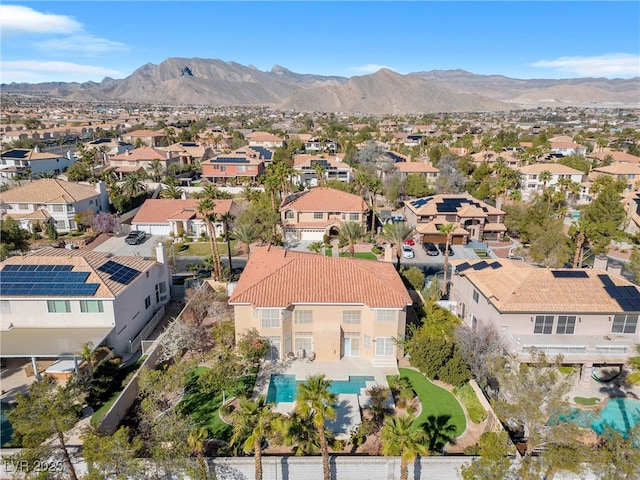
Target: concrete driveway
[[117, 246]]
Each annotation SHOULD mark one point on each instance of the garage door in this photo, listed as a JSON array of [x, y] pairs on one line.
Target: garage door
[[153, 229], [455, 240], [313, 235]]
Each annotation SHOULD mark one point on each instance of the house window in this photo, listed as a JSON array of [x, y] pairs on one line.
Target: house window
[[624, 323], [91, 306], [386, 315], [304, 341], [543, 324], [58, 208], [60, 225], [302, 316], [289, 214], [367, 341], [147, 301], [23, 206], [354, 216], [351, 345], [384, 346], [270, 318], [317, 215], [566, 325], [157, 293], [59, 306], [351, 317], [476, 296], [163, 291]]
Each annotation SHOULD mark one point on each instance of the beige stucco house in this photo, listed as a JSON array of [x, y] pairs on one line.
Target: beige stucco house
[[309, 215], [311, 305], [589, 317]]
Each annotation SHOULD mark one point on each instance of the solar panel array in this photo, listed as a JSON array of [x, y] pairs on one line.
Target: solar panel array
[[451, 205], [41, 280], [478, 266], [323, 163], [421, 202], [395, 157], [627, 296], [230, 160], [569, 274], [119, 273], [263, 152], [16, 153]]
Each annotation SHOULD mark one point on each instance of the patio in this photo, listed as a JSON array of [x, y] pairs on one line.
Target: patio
[[348, 405]]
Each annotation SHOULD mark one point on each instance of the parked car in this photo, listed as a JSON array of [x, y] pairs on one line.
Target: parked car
[[407, 251], [135, 237], [431, 249], [409, 241], [443, 247]]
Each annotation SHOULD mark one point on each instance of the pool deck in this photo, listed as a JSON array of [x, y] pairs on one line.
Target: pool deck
[[348, 408]]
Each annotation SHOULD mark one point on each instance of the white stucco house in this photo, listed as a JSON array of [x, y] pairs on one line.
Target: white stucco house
[[534, 182], [18, 160]]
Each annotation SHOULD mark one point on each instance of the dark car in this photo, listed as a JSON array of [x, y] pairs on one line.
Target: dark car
[[431, 249], [135, 237], [443, 247]]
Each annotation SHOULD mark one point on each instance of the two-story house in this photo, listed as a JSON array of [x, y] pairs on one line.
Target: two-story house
[[243, 165], [428, 171], [534, 180], [474, 219], [54, 200], [149, 138], [589, 317], [319, 211], [139, 160], [18, 160], [188, 153], [629, 173], [567, 148], [308, 167], [307, 304], [320, 144], [109, 147], [264, 139], [55, 300]]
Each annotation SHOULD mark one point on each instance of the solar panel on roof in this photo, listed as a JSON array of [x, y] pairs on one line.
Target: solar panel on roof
[[16, 153], [45, 280], [495, 265], [230, 160], [480, 265], [462, 267], [119, 273], [569, 274]]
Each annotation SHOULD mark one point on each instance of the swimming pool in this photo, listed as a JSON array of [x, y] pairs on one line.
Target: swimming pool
[[284, 388], [5, 426], [620, 413]]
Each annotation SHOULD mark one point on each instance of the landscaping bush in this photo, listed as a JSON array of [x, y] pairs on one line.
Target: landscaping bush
[[407, 394], [414, 277], [468, 397], [252, 346]]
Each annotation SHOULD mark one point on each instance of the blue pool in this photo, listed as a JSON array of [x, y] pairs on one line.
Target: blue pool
[[619, 413], [284, 388]]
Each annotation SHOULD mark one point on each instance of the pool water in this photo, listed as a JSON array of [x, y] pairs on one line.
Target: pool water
[[620, 413], [284, 388], [5, 426]]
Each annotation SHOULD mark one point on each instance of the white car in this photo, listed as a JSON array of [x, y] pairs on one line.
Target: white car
[[407, 251]]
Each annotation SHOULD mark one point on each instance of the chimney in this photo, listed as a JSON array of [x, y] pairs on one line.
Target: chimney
[[36, 149], [615, 268], [161, 256], [600, 262], [183, 195], [169, 155]]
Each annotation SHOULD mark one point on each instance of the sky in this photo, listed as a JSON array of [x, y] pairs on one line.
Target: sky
[[89, 40]]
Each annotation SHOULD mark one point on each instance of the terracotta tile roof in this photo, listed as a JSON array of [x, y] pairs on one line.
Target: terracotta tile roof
[[619, 169], [263, 137], [49, 190], [144, 133], [415, 167], [566, 145], [37, 215], [622, 157], [553, 168], [84, 261], [520, 287], [160, 210], [31, 154], [142, 154], [278, 278], [324, 199], [432, 228], [428, 206]]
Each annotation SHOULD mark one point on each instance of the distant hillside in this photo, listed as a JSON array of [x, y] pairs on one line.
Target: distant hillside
[[185, 81]]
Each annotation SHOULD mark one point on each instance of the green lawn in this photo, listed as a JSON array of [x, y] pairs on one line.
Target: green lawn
[[202, 249], [587, 402], [364, 255], [441, 413]]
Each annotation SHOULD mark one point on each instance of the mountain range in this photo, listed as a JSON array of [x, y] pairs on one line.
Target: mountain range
[[197, 81]]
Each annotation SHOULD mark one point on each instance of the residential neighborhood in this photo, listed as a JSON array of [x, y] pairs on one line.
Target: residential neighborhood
[[330, 274]]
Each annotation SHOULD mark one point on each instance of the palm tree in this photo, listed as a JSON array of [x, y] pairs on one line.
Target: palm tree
[[397, 233], [47, 174], [226, 219], [315, 247], [351, 233], [205, 208], [446, 229], [196, 444], [252, 424], [246, 234], [401, 437], [132, 185], [155, 169], [315, 399], [298, 431], [171, 191]]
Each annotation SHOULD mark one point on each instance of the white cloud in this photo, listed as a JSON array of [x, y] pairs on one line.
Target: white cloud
[[84, 44], [609, 65], [34, 71], [16, 19], [370, 68]]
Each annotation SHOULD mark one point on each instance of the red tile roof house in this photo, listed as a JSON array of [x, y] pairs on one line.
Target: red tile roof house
[[589, 316], [264, 139], [243, 165], [309, 215], [150, 138], [474, 219], [167, 216], [422, 168], [334, 307], [139, 159]]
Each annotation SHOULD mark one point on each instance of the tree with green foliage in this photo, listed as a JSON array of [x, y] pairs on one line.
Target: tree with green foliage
[[446, 229], [397, 233], [206, 208], [195, 440], [605, 215], [155, 169], [634, 265], [133, 185], [494, 462], [78, 172], [253, 421], [171, 191], [413, 276], [617, 456], [316, 400], [111, 456], [298, 432], [416, 185], [262, 217], [12, 237], [401, 437], [548, 243], [48, 411], [315, 247], [351, 233], [245, 234], [252, 346]]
